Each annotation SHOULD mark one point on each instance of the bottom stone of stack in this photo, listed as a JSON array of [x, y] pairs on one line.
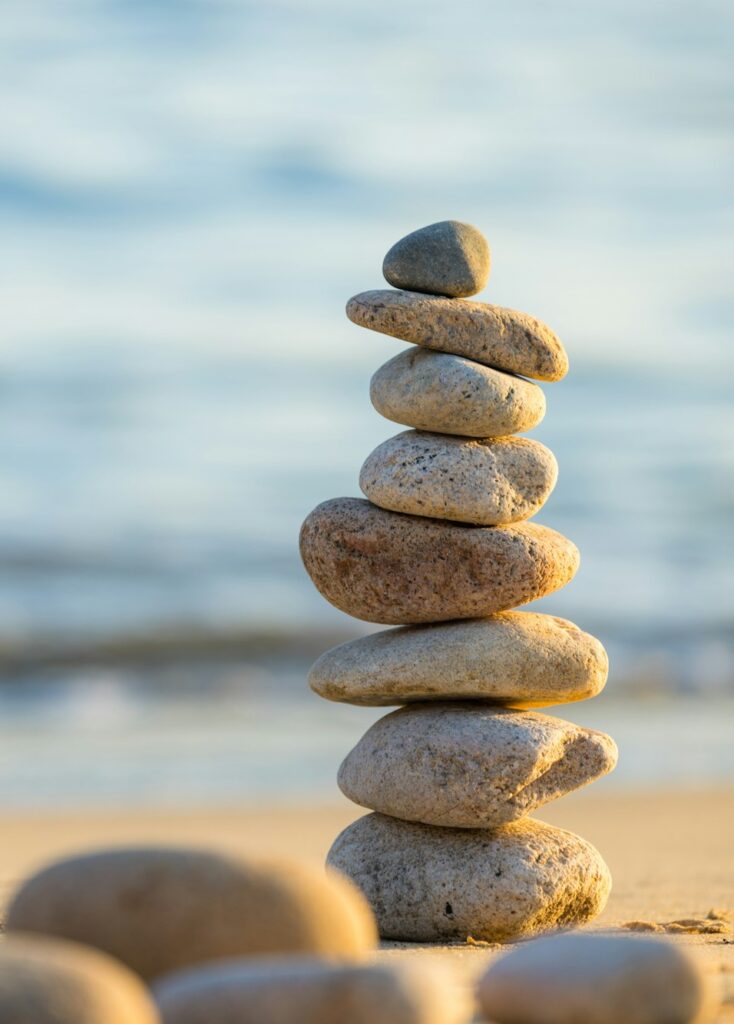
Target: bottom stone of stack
[[431, 884]]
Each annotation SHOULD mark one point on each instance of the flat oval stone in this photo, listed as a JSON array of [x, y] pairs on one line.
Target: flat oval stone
[[428, 884], [523, 659], [489, 482], [471, 765], [451, 395], [448, 258], [387, 567], [603, 979], [48, 981], [311, 992], [498, 337], [141, 905]]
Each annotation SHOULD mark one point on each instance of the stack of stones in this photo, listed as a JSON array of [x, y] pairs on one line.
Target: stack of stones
[[443, 547]]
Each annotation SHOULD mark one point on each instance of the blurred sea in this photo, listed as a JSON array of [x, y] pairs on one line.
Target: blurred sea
[[189, 192]]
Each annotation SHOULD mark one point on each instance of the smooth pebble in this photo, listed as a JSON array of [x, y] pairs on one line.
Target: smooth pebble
[[448, 258]]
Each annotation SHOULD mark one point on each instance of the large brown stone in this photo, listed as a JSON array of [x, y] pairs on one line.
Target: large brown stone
[[393, 568]]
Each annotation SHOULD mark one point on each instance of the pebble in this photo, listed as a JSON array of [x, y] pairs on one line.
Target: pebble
[[498, 337], [451, 395], [522, 659], [392, 568], [428, 884], [312, 992], [470, 766], [158, 909], [448, 258], [48, 981], [489, 483], [598, 979]]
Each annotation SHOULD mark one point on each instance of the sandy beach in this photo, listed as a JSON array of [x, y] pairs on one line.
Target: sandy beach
[[671, 855]]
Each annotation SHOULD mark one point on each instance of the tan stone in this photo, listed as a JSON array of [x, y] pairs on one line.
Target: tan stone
[[158, 909], [470, 765], [428, 884], [502, 338], [447, 258], [451, 395], [522, 659], [489, 483], [393, 568]]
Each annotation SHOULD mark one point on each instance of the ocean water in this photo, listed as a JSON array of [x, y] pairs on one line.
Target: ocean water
[[190, 191]]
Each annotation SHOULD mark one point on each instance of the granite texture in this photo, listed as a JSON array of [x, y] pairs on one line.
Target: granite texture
[[490, 482], [522, 659], [498, 337], [452, 395], [448, 258], [392, 568], [598, 979], [48, 981], [470, 765], [428, 884], [158, 909]]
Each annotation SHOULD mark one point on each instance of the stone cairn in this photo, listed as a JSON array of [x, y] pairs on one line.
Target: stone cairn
[[443, 547]]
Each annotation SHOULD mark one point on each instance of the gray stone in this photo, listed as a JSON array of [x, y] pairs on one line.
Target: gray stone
[[47, 981], [597, 979], [428, 884], [498, 337], [470, 765], [158, 909], [518, 658], [451, 395], [447, 258], [393, 568], [312, 992], [490, 482]]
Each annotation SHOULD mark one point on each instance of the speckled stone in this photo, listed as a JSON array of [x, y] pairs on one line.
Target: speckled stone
[[598, 979], [48, 981], [158, 909], [451, 395], [448, 258], [392, 568], [489, 482], [502, 338], [470, 765], [312, 992], [522, 659], [428, 884]]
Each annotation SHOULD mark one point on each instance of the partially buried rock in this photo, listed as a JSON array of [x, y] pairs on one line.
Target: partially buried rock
[[48, 981], [159, 909], [447, 258], [393, 568], [451, 395], [311, 992], [470, 766], [498, 337], [521, 659], [428, 884], [602, 979], [489, 482]]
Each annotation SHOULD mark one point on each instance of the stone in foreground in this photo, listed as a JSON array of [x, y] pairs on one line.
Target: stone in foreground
[[451, 395], [392, 568], [522, 659], [158, 909], [428, 884], [503, 338], [471, 766], [47, 981], [489, 482], [448, 258], [311, 992], [602, 979]]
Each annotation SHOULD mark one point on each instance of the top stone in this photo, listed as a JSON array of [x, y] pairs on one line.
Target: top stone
[[448, 258]]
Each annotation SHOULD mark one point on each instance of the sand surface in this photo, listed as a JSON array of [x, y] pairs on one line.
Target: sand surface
[[671, 855]]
